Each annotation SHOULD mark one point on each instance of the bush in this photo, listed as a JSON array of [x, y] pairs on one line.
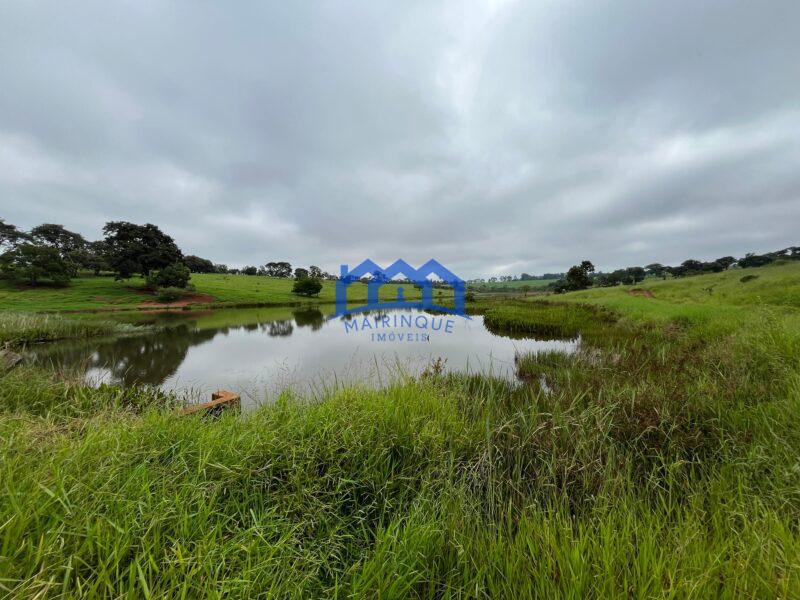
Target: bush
[[176, 275], [169, 294], [307, 287]]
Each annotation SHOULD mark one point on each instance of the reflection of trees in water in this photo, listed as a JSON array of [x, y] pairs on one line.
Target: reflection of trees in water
[[278, 328], [146, 359], [154, 357], [309, 317]]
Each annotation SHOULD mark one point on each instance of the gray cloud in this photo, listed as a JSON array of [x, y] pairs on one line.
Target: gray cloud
[[495, 136]]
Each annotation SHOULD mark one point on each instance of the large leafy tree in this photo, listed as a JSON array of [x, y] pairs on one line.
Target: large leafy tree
[[56, 236], [278, 269], [93, 257], [132, 248], [31, 263], [10, 235]]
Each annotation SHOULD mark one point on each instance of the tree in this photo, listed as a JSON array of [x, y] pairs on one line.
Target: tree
[[250, 270], [379, 275], [278, 269], [315, 272], [300, 273], [578, 276], [726, 262], [692, 266], [606, 280], [175, 275], [637, 274], [755, 260], [656, 269], [198, 265], [10, 236], [791, 253], [31, 263], [90, 257], [55, 236], [132, 248], [307, 287], [679, 271]]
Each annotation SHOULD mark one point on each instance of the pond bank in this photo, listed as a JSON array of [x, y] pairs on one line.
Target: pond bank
[[626, 475]]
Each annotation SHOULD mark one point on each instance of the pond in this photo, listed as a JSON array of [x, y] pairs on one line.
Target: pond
[[259, 352]]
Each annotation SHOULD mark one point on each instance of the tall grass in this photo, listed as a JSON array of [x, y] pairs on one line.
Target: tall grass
[[546, 320], [17, 329], [660, 462]]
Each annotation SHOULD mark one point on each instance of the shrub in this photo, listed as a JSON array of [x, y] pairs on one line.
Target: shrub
[[307, 287], [169, 294], [175, 275]]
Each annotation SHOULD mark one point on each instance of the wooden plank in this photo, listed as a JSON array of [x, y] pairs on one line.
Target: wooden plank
[[221, 401]]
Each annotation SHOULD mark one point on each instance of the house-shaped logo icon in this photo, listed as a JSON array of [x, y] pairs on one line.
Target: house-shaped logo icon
[[419, 277]]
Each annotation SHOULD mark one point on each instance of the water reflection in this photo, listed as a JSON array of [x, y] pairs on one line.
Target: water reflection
[[250, 350]]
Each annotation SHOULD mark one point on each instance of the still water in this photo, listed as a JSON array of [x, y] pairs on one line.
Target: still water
[[258, 352]]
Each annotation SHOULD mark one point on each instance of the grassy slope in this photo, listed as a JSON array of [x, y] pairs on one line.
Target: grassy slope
[[531, 283], [776, 286], [662, 464], [103, 293]]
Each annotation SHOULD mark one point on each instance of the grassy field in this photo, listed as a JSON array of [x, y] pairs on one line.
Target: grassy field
[[103, 293], [533, 284], [658, 462]]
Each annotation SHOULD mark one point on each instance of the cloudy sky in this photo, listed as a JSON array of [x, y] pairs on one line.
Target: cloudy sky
[[496, 136]]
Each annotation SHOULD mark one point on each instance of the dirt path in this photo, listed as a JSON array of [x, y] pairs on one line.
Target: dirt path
[[643, 293]]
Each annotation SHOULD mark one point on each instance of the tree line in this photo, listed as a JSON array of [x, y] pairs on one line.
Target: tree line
[[51, 253], [582, 276]]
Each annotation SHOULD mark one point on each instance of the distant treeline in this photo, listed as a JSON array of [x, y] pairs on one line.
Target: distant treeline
[[522, 277], [51, 253], [584, 275]]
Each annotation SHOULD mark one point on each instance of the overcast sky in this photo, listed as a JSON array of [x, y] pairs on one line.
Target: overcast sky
[[497, 137]]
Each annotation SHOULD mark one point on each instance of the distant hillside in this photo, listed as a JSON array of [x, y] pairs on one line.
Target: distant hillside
[[515, 285]]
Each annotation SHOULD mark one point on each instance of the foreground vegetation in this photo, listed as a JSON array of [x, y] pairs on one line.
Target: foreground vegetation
[[20, 329], [660, 461]]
